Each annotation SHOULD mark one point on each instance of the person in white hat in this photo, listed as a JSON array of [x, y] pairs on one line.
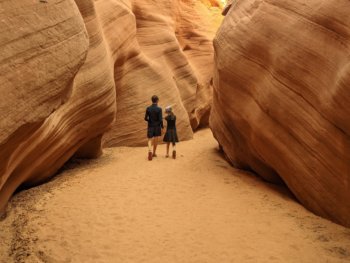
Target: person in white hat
[[170, 135]]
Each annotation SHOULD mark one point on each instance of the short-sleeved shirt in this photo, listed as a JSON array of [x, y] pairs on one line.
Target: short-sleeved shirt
[[171, 122], [154, 116]]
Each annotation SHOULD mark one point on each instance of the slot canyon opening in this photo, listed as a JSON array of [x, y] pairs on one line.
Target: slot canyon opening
[[247, 113]]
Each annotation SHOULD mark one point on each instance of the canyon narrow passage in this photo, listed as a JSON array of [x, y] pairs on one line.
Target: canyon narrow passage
[[197, 208]]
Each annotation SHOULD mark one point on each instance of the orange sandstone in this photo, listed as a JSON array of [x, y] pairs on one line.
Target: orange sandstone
[[282, 96]]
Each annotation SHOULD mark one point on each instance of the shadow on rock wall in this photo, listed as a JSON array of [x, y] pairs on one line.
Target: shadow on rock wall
[[282, 96], [67, 66]]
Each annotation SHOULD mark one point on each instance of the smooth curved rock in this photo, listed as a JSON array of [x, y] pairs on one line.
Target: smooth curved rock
[[65, 65], [282, 96], [164, 48], [57, 86]]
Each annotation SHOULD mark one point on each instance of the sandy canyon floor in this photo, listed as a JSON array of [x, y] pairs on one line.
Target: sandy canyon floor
[[197, 208]]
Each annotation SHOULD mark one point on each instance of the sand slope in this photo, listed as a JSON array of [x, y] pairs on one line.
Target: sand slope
[[122, 208]]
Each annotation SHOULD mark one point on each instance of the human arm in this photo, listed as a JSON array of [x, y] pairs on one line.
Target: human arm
[[147, 115], [161, 119]]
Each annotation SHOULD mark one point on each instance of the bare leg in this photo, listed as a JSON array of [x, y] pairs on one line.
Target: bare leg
[[174, 151], [167, 149], [149, 144], [155, 144], [149, 149]]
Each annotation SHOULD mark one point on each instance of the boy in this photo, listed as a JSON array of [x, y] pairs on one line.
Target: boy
[[155, 125]]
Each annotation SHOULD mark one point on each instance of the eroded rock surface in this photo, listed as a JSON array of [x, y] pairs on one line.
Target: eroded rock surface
[[65, 65], [163, 48], [57, 88], [282, 96]]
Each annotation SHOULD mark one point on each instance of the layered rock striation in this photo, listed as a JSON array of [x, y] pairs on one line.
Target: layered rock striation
[[282, 96], [66, 65], [163, 48], [57, 87]]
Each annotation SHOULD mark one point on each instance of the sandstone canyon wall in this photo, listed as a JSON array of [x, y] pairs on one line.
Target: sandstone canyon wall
[[66, 65], [164, 48], [57, 89], [282, 95]]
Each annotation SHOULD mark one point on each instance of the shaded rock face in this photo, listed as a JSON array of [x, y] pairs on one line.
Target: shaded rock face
[[57, 86], [66, 65], [282, 95], [163, 48]]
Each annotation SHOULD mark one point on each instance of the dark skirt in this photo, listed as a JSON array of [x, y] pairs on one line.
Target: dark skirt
[[170, 136]]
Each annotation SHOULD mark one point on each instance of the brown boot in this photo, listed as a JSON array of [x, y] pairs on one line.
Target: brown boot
[[149, 156], [174, 154]]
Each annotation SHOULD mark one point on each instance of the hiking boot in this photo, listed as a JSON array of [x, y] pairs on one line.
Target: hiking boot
[[174, 154], [149, 156]]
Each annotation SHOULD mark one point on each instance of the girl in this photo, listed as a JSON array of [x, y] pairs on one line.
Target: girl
[[170, 134]]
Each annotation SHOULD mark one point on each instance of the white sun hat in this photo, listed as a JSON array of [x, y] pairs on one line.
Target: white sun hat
[[168, 108]]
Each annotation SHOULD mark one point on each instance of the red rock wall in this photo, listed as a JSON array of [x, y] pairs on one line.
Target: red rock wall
[[282, 96], [163, 48], [57, 86], [65, 65]]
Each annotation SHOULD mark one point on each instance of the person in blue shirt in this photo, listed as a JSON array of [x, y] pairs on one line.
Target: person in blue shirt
[[154, 118]]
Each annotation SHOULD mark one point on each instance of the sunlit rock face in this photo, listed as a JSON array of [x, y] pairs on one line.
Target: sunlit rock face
[[57, 88], [282, 96], [164, 48]]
